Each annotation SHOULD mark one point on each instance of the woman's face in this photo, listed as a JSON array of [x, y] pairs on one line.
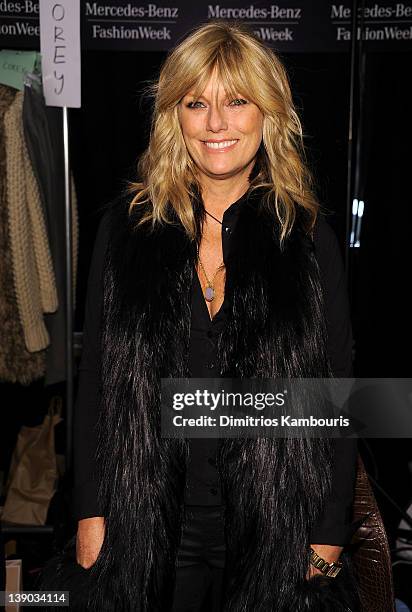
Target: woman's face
[[222, 135]]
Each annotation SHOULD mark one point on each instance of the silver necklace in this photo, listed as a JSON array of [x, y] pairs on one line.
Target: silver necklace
[[210, 292]]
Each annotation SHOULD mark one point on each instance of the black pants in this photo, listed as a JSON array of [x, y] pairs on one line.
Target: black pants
[[200, 561]]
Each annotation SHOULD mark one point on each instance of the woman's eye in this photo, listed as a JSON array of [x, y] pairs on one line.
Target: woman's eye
[[193, 103], [240, 102]]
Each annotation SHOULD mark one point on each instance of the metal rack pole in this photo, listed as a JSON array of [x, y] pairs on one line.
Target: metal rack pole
[[69, 291]]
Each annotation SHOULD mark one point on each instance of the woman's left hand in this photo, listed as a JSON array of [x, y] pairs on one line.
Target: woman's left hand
[[327, 552]]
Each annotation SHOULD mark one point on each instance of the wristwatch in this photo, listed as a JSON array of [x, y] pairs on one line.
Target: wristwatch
[[328, 569]]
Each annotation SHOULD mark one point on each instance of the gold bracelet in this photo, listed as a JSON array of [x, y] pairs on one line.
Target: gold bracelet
[[328, 569]]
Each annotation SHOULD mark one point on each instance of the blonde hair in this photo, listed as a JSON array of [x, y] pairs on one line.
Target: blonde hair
[[247, 67]]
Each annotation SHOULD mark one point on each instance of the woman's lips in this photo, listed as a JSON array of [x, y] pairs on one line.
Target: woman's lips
[[220, 149]]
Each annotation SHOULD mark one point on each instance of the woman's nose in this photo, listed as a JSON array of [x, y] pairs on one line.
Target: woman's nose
[[216, 119]]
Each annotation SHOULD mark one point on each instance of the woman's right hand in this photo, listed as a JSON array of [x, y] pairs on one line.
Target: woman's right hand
[[89, 540]]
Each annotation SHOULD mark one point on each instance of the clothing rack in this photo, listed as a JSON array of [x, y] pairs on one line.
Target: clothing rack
[[68, 306]]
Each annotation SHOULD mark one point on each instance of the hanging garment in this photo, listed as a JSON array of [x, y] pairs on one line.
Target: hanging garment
[[33, 272], [43, 130], [17, 364]]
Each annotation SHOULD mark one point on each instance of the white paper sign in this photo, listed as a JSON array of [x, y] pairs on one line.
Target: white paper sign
[[60, 51]]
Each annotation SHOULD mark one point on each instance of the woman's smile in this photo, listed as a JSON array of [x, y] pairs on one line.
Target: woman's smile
[[221, 146]]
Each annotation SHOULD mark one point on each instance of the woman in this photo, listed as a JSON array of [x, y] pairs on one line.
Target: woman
[[216, 264]]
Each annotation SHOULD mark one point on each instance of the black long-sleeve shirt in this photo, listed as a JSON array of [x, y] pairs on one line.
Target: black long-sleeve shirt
[[202, 483]]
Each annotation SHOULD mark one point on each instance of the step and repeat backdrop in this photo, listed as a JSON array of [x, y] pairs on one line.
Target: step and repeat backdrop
[[318, 26]]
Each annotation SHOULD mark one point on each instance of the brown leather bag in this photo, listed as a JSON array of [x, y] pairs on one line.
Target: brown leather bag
[[371, 554]]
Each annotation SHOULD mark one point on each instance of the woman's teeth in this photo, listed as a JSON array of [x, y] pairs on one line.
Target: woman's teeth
[[220, 145]]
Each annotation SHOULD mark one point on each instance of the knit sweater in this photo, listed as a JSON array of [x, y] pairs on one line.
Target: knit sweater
[[33, 272], [17, 364]]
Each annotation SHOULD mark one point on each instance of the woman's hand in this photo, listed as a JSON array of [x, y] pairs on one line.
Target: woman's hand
[[329, 553], [89, 540]]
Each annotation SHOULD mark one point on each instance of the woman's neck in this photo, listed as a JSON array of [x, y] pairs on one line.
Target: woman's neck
[[217, 201]]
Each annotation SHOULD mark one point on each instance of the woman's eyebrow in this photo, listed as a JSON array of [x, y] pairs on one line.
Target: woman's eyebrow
[[204, 97], [199, 96]]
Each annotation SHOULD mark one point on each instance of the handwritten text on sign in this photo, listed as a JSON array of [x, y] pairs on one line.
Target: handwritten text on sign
[[60, 51]]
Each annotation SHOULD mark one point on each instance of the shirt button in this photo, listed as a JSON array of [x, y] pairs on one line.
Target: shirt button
[[210, 365], [213, 491], [228, 229]]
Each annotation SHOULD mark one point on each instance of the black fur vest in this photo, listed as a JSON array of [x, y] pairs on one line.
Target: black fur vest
[[274, 490]]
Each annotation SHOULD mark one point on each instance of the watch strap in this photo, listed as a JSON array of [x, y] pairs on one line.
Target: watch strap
[[328, 569]]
